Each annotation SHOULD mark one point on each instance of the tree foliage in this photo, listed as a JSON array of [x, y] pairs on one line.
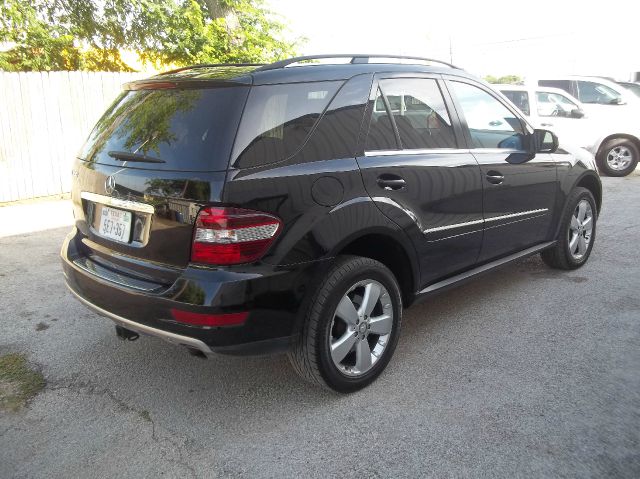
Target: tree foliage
[[91, 34], [507, 79]]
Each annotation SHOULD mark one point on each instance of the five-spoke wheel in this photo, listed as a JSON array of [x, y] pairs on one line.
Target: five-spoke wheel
[[352, 325], [577, 232], [580, 229], [361, 327]]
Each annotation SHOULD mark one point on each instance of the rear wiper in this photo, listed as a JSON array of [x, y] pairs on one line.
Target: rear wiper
[[126, 156]]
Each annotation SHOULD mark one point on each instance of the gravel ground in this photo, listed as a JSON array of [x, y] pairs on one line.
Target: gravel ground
[[527, 372]]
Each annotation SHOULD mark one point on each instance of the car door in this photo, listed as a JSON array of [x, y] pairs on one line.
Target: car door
[[519, 187], [419, 176]]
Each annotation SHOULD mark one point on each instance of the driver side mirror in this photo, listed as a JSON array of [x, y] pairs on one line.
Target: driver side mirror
[[576, 113], [545, 141]]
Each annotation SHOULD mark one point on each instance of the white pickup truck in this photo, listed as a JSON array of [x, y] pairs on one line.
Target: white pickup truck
[[613, 140]]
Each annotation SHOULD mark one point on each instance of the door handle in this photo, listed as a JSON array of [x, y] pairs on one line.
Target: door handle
[[494, 177], [391, 182], [546, 124]]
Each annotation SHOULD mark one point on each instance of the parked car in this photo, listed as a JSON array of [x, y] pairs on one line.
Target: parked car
[[595, 93], [631, 86], [614, 142], [300, 207]]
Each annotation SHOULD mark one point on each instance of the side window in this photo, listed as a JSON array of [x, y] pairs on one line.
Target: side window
[[277, 120], [562, 84], [419, 113], [490, 123], [381, 135], [519, 99], [336, 135], [590, 92], [554, 104]]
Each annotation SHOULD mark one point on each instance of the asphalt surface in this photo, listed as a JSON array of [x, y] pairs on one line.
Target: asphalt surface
[[527, 372]]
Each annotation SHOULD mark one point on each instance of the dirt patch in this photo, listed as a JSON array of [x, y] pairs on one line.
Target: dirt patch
[[41, 326], [18, 382]]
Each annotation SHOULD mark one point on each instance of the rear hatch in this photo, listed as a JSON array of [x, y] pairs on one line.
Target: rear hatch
[[157, 155]]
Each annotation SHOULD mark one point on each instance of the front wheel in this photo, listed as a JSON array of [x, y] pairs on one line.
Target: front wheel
[[577, 232], [618, 157], [352, 326]]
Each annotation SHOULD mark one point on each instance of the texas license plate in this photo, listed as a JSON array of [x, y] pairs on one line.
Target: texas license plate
[[115, 224]]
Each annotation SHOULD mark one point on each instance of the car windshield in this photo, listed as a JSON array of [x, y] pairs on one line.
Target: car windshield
[[591, 92]]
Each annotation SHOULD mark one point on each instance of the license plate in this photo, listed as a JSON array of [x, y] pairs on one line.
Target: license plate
[[115, 224]]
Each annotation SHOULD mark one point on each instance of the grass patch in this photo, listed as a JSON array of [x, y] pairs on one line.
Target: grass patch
[[18, 382]]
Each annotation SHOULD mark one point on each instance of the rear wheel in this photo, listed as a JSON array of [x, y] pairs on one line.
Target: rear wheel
[[618, 157], [577, 232], [352, 326]]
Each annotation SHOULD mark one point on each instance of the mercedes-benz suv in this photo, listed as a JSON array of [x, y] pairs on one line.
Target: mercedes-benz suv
[[301, 205]]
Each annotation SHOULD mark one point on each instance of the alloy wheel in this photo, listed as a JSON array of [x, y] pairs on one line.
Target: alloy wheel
[[361, 328], [580, 229], [619, 158]]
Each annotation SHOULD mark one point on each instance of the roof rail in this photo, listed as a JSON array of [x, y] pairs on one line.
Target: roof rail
[[355, 58], [209, 65]]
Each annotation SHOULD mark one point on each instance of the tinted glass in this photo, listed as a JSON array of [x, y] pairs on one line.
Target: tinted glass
[[562, 84], [590, 92], [189, 130], [419, 112], [519, 99], [490, 123], [278, 119], [381, 135], [336, 135], [554, 104]]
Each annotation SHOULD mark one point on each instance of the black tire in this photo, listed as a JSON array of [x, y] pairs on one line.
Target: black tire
[[311, 355], [560, 256], [609, 147]]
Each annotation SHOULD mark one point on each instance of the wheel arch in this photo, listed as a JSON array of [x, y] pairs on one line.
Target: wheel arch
[[386, 247], [591, 182], [615, 136]]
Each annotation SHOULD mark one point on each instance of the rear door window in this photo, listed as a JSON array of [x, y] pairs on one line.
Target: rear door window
[[381, 135], [174, 129], [419, 112], [278, 119]]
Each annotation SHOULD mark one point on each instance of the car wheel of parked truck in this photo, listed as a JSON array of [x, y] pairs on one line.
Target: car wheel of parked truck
[[618, 157], [297, 207]]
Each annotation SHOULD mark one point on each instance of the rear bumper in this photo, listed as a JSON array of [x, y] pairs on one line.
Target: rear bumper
[[143, 329], [273, 297]]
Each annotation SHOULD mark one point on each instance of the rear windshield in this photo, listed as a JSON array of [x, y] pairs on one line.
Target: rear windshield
[[172, 129]]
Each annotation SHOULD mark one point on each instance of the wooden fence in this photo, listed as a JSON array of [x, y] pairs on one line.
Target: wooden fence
[[44, 119]]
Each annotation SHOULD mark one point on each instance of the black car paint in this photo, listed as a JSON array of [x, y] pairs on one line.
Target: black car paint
[[325, 207]]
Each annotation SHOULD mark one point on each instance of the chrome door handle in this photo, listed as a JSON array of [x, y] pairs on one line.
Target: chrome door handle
[[494, 177], [391, 182]]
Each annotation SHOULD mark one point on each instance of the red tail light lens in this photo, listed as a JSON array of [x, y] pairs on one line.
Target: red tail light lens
[[225, 236], [199, 319]]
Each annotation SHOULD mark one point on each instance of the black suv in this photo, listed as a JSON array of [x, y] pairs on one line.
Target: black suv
[[301, 205]]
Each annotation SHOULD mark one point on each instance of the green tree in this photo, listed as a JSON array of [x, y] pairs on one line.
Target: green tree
[[507, 79], [90, 34]]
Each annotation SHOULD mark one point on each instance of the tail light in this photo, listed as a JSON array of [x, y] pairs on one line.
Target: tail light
[[225, 236]]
